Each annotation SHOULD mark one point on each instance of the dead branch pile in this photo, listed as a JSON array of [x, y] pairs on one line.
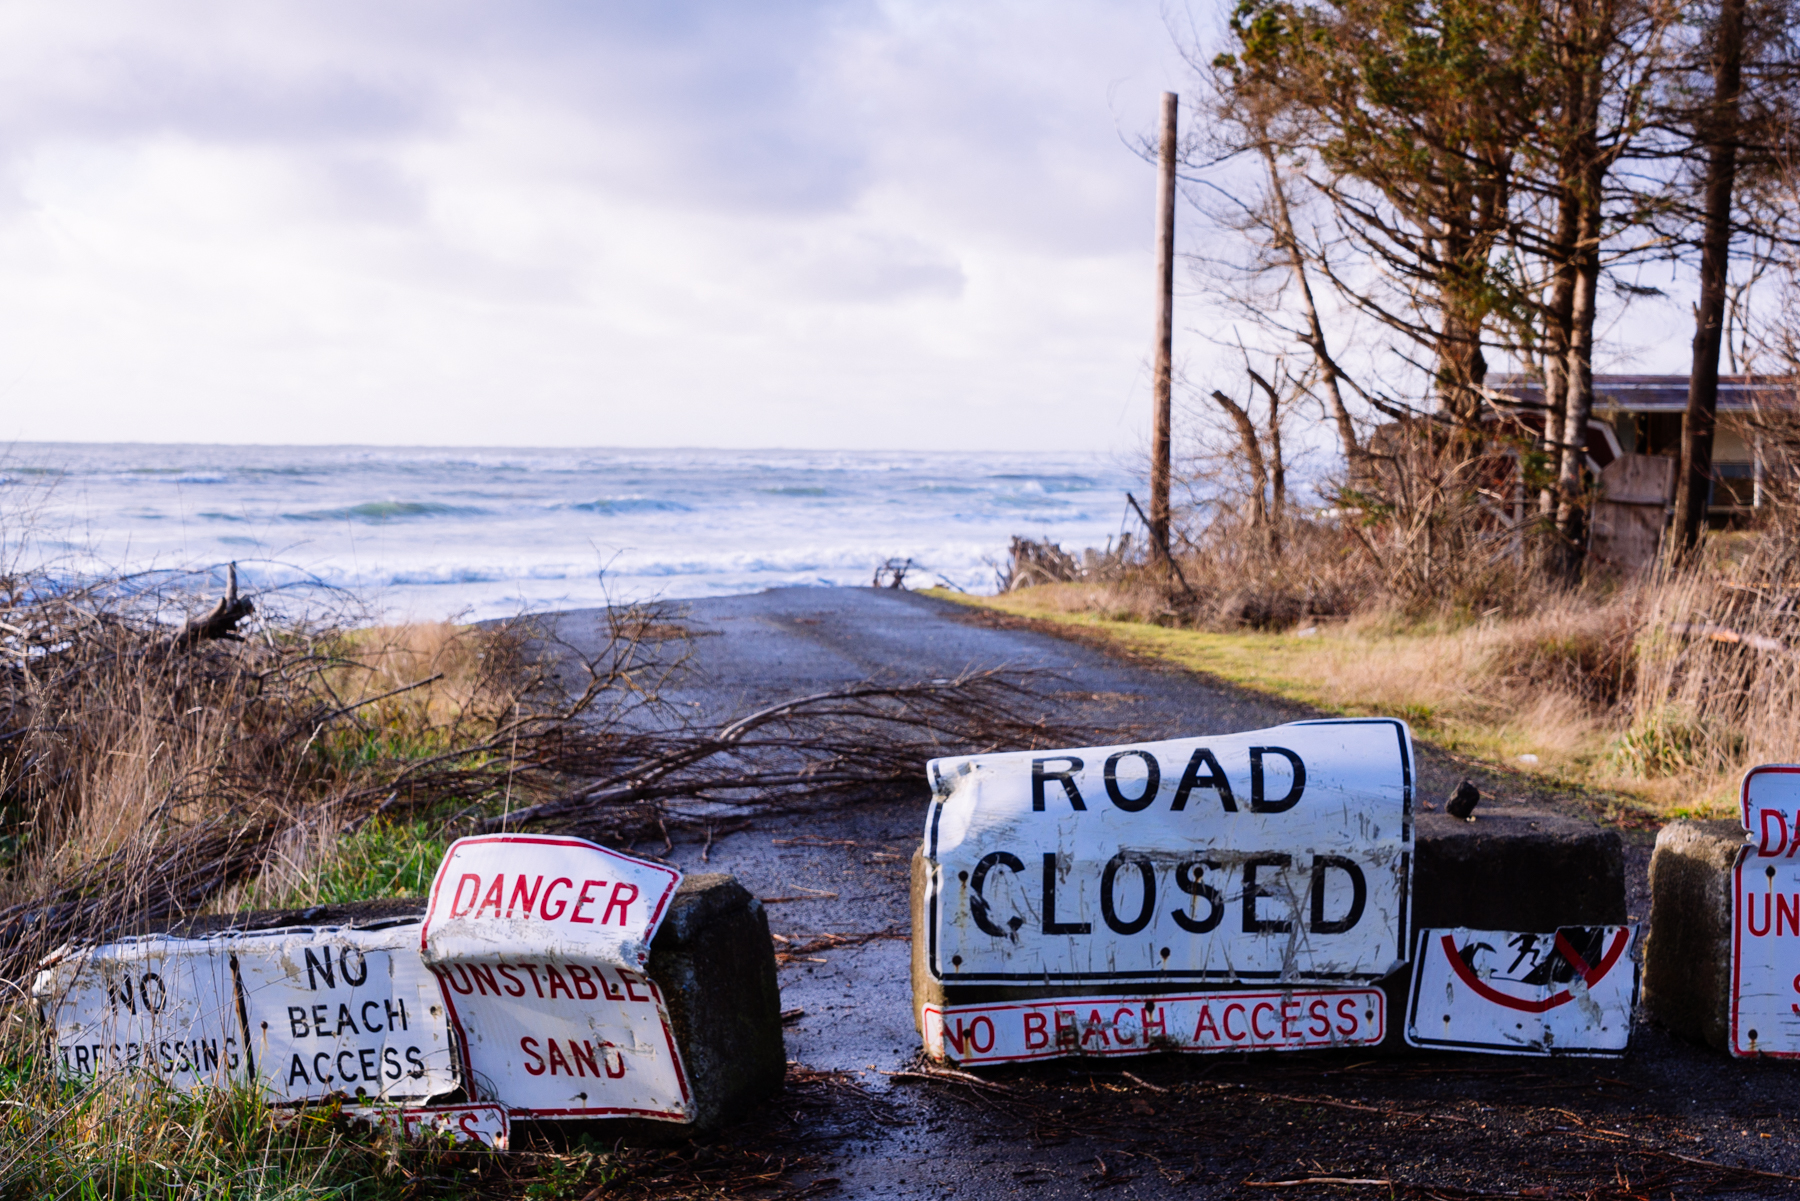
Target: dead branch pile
[[1030, 563], [149, 764], [830, 744]]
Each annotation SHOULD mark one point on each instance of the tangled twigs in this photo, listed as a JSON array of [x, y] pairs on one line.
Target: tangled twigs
[[827, 744], [137, 884], [144, 773]]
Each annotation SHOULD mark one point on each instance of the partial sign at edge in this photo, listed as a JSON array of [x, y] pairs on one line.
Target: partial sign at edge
[[483, 1123], [1765, 917], [1505, 992]]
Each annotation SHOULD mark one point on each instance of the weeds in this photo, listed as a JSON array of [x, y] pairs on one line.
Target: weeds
[[156, 767]]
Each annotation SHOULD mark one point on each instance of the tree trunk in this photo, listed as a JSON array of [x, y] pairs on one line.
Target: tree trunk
[[1556, 339], [1719, 132], [1277, 468], [1354, 455], [1259, 471], [1579, 372]]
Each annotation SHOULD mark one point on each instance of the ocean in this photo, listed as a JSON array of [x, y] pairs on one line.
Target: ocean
[[475, 533]]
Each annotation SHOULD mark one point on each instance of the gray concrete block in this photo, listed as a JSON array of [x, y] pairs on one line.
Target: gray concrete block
[[715, 963], [1687, 955], [1516, 869]]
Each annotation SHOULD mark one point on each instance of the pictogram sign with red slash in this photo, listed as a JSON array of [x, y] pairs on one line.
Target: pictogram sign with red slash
[[1590, 976], [1519, 993]]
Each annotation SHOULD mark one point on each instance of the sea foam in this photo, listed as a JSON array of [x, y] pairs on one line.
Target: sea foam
[[480, 532]]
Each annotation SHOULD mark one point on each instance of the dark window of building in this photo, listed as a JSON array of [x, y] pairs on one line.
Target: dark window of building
[[1734, 485]]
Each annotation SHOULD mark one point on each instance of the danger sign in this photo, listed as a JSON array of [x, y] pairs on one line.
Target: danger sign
[[1105, 1026], [1765, 912], [1511, 993], [540, 944], [1279, 855]]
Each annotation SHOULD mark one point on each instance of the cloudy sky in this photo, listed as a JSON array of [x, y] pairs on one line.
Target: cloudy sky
[[809, 223]]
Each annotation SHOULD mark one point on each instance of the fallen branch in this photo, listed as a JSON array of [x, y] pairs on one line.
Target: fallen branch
[[947, 1075], [222, 621]]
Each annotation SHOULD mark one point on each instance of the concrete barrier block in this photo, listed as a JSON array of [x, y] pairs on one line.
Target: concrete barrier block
[[1521, 870], [1687, 957], [715, 963]]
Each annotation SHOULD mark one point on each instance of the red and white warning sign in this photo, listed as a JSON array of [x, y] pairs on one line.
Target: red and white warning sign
[[541, 943], [1765, 912], [484, 1123], [1294, 1020], [1511, 993]]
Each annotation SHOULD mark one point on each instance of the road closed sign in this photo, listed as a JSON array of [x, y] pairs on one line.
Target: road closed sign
[[1281, 856], [1765, 910]]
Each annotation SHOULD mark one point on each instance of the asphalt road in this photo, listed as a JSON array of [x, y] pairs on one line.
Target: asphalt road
[[1188, 1126]]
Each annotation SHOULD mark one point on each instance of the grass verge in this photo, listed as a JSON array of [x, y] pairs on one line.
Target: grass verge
[[1538, 695]]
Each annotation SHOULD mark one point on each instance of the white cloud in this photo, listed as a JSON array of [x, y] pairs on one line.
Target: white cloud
[[565, 223]]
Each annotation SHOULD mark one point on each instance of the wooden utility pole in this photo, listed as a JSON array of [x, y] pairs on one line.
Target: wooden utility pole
[[1165, 328]]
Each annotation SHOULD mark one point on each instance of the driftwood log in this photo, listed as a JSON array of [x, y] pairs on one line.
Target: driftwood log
[[222, 621]]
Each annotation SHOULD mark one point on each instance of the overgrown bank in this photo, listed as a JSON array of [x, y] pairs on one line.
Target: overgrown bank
[[1653, 692], [154, 771]]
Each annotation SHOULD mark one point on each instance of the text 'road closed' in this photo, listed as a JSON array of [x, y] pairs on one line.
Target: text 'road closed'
[[1278, 855]]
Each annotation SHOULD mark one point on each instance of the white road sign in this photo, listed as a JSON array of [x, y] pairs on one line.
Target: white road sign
[[1282, 855], [1294, 1020], [307, 1013], [351, 1012], [540, 943], [1765, 933], [1509, 993], [161, 1005]]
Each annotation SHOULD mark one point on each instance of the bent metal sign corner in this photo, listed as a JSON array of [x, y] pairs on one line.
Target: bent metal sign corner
[[1278, 860]]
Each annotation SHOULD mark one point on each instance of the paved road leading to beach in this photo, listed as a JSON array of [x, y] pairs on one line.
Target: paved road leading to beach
[[849, 869]]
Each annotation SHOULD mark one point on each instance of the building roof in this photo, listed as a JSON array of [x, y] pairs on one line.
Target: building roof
[[1656, 393]]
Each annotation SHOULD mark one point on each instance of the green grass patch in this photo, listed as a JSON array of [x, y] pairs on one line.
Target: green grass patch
[[382, 859]]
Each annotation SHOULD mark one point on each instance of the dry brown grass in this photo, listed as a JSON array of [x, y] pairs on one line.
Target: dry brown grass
[[1666, 688]]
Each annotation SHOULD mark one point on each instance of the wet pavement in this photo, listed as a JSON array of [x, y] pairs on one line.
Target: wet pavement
[[1659, 1122]]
